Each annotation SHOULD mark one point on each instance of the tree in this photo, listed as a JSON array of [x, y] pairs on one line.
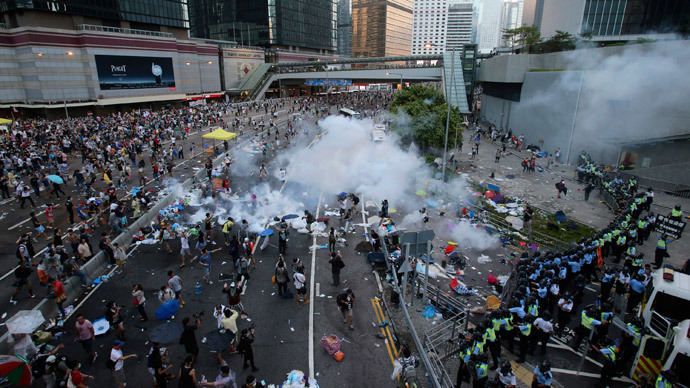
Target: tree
[[426, 108], [525, 36], [560, 41]]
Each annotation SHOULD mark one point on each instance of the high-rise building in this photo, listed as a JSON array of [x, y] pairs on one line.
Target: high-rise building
[[381, 27], [489, 29], [608, 20], [283, 24], [460, 29], [511, 17], [429, 21], [440, 25], [168, 16], [344, 28]]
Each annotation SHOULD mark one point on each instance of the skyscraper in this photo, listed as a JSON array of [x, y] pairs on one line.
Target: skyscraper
[[609, 20], [381, 27], [285, 24], [511, 17], [461, 23], [344, 28], [489, 34], [446, 24]]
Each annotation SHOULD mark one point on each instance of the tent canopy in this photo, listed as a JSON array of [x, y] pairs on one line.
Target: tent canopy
[[220, 134], [5, 121]]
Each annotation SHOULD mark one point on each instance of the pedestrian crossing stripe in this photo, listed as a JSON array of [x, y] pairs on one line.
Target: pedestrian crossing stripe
[[647, 366]]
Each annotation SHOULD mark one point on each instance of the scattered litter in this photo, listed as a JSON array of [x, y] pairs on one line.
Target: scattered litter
[[273, 293], [377, 345], [292, 329]]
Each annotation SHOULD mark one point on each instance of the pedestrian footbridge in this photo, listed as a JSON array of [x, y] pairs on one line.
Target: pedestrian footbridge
[[447, 70]]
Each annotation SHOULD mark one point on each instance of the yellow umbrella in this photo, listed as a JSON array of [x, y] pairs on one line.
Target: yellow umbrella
[[5, 121]]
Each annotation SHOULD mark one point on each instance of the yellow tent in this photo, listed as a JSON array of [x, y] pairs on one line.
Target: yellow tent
[[220, 134], [5, 121]]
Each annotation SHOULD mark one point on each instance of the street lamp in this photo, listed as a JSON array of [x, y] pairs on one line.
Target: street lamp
[[448, 98], [401, 78]]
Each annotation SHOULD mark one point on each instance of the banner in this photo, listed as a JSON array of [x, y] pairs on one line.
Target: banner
[[672, 228], [125, 72], [329, 82]]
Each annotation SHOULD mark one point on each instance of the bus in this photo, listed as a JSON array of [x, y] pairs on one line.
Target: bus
[[350, 113]]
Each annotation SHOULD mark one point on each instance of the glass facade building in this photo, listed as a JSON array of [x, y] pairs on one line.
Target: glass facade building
[[307, 24], [631, 17], [139, 13], [381, 28], [344, 28]]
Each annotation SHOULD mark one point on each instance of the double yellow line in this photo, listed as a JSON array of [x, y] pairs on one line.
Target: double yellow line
[[386, 331]]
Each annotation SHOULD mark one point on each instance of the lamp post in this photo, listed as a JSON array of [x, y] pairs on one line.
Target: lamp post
[[401, 78], [449, 94]]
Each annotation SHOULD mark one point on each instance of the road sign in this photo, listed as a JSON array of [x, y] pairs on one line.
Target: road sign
[[328, 82], [417, 241]]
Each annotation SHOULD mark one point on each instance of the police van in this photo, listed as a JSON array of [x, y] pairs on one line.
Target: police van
[[666, 317], [378, 134]]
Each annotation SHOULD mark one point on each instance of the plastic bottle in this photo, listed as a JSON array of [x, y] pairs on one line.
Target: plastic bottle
[[197, 288]]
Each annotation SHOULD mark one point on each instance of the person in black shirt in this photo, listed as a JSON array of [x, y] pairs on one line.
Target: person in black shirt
[[22, 274], [70, 209], [188, 337], [245, 348]]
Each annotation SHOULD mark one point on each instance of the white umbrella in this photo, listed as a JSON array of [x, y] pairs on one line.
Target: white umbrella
[[25, 322]]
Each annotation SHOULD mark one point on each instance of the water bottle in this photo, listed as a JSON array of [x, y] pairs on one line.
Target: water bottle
[[197, 288]]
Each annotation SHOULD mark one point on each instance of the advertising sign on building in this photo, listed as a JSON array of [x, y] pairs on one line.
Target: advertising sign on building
[[329, 82], [126, 72]]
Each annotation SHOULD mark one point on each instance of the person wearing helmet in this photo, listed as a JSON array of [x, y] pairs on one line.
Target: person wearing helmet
[[505, 376], [544, 329], [481, 369], [525, 328], [587, 324], [542, 375], [667, 379], [464, 355], [610, 353], [676, 213], [565, 307]]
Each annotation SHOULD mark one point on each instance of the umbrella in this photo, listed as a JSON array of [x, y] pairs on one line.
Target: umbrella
[[167, 309], [5, 121], [289, 217], [166, 333], [266, 232], [56, 179], [219, 339], [421, 193], [16, 369], [25, 322]]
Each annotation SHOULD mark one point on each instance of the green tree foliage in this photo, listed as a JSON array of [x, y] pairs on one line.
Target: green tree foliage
[[560, 41], [426, 108], [528, 37]]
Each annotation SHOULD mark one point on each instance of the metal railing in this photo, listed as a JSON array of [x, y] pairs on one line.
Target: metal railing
[[260, 85], [130, 31], [670, 188], [442, 338]]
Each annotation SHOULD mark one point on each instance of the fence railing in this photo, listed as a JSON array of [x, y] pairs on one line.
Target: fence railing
[[92, 27], [670, 188]]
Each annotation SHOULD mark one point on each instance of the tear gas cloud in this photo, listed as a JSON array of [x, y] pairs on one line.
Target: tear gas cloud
[[629, 93]]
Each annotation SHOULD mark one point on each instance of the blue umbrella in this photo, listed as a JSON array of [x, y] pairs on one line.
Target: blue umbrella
[[290, 216], [135, 190], [167, 309], [56, 179], [266, 232]]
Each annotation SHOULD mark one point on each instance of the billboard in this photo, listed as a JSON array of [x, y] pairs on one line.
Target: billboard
[[126, 72], [329, 82]]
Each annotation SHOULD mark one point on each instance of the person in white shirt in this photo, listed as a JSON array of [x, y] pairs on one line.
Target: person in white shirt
[[565, 307], [545, 327], [118, 358], [505, 376], [184, 250]]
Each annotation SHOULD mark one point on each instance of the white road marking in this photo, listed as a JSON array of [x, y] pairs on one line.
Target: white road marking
[[311, 297], [587, 374]]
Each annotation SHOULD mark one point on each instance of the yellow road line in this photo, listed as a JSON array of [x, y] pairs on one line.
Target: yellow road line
[[379, 317], [522, 373]]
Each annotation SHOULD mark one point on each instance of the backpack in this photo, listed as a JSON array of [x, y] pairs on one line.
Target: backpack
[[110, 364]]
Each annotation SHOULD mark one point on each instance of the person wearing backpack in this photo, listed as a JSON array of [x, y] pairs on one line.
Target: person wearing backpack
[[345, 302], [331, 240], [281, 276], [337, 264], [116, 363], [227, 229]]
